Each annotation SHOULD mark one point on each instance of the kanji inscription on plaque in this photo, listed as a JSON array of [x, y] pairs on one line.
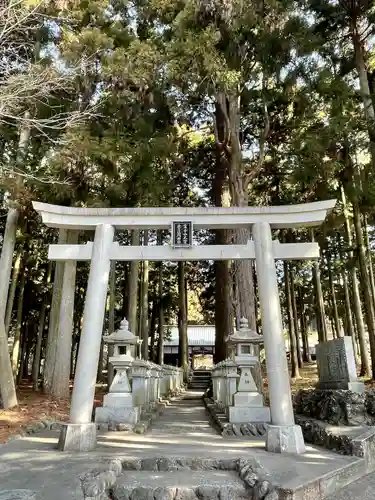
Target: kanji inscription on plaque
[[182, 234]]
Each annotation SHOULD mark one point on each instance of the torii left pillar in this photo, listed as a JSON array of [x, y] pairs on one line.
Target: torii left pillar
[[79, 434]]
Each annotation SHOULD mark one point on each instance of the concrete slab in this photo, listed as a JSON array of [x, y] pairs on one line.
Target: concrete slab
[[363, 489], [317, 472]]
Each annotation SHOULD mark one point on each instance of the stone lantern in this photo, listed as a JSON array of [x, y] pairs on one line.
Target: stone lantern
[[248, 401], [118, 403]]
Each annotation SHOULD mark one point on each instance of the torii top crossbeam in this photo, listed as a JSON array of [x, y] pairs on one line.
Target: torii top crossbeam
[[285, 216]]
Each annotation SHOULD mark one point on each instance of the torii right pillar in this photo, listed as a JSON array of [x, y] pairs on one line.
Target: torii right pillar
[[283, 435]]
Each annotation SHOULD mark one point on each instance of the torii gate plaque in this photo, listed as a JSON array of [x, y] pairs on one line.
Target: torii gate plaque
[[283, 435]]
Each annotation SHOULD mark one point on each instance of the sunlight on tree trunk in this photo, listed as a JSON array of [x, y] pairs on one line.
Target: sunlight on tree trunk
[[16, 351], [61, 373], [53, 328]]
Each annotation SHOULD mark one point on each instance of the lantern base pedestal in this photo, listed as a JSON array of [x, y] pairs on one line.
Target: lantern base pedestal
[[118, 400], [117, 415]]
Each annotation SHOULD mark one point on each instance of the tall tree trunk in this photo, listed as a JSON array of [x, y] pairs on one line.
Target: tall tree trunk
[[348, 305], [289, 309], [111, 318], [160, 353], [53, 330], [304, 332], [153, 321], [133, 287], [7, 386], [16, 351], [182, 319], [365, 359], [350, 330], [126, 291], [23, 354], [6, 259], [223, 278], [369, 257], [40, 331], [160, 359], [38, 345], [336, 317], [144, 293], [256, 293], [230, 108], [295, 318], [187, 321], [223, 303], [12, 290], [368, 105], [319, 301], [61, 372], [366, 286], [348, 314]]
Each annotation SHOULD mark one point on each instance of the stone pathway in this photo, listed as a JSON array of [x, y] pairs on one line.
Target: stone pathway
[[183, 430]]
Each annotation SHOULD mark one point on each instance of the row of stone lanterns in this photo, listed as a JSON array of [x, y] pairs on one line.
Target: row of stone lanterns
[[138, 384], [241, 399]]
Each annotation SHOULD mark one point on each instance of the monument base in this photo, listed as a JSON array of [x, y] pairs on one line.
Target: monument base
[[77, 437], [248, 399], [249, 414], [285, 439], [358, 387], [117, 415]]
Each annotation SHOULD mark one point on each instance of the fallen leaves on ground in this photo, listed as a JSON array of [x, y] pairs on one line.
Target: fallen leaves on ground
[[33, 407]]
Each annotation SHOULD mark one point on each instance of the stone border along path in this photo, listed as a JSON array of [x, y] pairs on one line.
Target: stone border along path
[[122, 480], [181, 439], [220, 421]]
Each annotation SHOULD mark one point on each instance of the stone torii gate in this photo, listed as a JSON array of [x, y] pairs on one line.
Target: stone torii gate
[[283, 435]]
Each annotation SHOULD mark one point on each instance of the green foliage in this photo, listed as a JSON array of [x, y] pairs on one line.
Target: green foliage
[[154, 70]]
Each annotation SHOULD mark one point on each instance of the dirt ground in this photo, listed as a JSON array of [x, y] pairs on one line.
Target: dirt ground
[[33, 407]]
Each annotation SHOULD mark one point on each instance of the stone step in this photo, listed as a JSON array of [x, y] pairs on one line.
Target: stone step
[[179, 485]]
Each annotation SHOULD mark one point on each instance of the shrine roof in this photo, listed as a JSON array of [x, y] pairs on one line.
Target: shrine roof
[[198, 335]]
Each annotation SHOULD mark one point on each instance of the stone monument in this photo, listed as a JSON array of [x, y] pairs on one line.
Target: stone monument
[[247, 403], [336, 365], [118, 406]]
